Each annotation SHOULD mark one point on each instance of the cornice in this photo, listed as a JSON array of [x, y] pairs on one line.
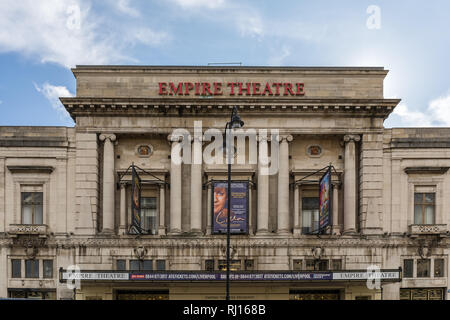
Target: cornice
[[86, 106]]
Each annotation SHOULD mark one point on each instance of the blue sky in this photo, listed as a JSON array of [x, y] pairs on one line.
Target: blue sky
[[40, 40]]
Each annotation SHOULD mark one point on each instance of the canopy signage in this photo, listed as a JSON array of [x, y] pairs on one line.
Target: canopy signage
[[392, 275]]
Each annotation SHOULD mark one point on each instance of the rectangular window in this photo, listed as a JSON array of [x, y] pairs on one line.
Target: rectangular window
[[48, 269], [424, 208], [438, 268], [147, 265], [249, 265], [121, 265], [310, 265], [322, 265], [160, 265], [408, 268], [32, 203], [310, 215], [31, 268], [423, 268], [297, 265], [235, 265], [337, 264], [209, 265], [16, 268], [134, 265], [149, 215]]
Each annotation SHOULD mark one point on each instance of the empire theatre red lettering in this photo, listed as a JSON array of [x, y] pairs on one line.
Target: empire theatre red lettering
[[234, 88]]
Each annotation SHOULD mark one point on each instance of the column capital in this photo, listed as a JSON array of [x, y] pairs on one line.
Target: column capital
[[111, 136], [352, 137], [285, 138], [262, 138]]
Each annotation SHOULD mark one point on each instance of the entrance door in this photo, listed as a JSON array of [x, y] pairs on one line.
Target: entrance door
[[142, 295], [314, 295], [422, 294]]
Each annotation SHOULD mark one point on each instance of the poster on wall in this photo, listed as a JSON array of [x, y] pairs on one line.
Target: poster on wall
[[239, 207], [135, 202], [325, 200]]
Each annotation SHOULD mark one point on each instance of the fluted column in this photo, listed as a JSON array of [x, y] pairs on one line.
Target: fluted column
[[297, 217], [162, 210], [196, 185], [262, 222], [208, 210], [350, 183], [283, 184], [108, 182], [175, 188], [336, 229], [123, 209]]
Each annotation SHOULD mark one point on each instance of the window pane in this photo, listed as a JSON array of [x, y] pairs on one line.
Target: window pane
[[307, 221], [310, 265], [297, 264], [323, 265], [209, 265], [16, 268], [27, 214], [235, 265], [418, 218], [418, 198], [429, 215], [32, 268], [160, 265], [38, 219], [134, 265], [337, 264], [423, 268], [147, 265], [27, 198], [438, 268], [48, 268], [429, 198], [408, 266], [121, 265]]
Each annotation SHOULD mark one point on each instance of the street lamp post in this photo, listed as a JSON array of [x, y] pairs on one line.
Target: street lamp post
[[234, 123]]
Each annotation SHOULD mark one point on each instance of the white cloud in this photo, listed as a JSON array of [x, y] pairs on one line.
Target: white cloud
[[210, 4], [436, 114], [124, 6], [52, 94], [279, 56], [66, 32], [250, 24]]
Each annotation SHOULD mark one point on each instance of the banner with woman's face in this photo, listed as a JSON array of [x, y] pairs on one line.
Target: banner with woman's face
[[239, 207]]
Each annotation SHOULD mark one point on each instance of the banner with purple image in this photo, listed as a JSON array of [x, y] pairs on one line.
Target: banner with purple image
[[325, 200], [239, 207]]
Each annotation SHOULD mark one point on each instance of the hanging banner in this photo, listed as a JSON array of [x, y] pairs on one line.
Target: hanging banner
[[135, 202], [325, 200], [239, 207]]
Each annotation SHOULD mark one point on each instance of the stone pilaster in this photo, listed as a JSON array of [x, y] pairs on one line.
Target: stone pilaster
[[283, 185], [196, 185], [175, 188], [162, 210], [336, 227], [108, 182], [297, 211], [208, 210], [123, 209], [262, 222], [350, 183]]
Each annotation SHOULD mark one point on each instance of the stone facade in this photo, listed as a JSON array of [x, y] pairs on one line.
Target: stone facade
[[82, 174]]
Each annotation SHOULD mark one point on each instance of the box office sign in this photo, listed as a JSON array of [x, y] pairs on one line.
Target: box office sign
[[239, 207], [386, 275]]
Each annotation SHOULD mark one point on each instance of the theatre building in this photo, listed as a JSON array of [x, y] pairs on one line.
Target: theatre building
[[131, 203]]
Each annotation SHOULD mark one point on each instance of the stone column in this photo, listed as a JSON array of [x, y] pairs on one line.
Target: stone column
[[283, 185], [162, 210], [208, 211], [350, 183], [108, 182], [123, 209], [336, 228], [196, 185], [262, 222], [297, 217], [175, 189]]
